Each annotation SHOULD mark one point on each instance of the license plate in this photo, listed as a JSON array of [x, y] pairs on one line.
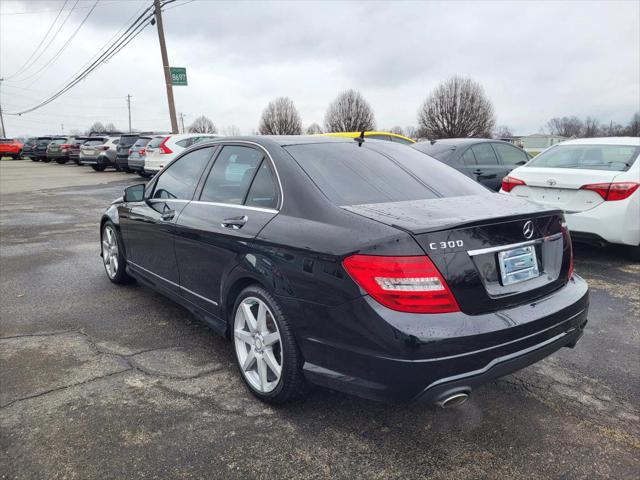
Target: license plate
[[518, 265]]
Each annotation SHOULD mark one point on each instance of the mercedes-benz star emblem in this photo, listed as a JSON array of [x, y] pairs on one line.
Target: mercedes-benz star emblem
[[527, 230]]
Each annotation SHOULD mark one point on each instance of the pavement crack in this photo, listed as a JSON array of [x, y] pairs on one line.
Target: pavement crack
[[43, 334], [63, 387]]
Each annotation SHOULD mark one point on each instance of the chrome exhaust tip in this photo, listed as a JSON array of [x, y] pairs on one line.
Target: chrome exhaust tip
[[454, 400]]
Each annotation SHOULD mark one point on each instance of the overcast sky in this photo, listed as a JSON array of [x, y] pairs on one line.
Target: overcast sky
[[536, 60]]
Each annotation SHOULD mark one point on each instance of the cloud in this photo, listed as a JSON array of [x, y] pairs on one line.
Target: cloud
[[535, 60]]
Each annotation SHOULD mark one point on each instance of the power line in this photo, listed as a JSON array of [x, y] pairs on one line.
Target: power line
[[62, 49], [103, 4], [41, 42], [52, 38], [133, 31]]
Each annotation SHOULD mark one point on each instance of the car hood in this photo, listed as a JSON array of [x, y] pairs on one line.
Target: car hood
[[421, 216]]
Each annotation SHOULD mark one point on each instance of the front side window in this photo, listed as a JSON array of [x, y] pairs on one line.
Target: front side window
[[231, 175], [617, 158], [510, 155], [180, 179]]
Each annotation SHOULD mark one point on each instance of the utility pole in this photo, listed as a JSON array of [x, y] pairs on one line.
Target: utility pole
[[182, 121], [62, 127], [4, 133], [129, 107], [167, 70]]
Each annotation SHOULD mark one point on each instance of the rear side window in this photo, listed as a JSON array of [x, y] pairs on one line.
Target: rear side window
[[510, 155], [617, 158], [352, 175], [231, 175], [484, 154], [180, 179], [155, 142], [263, 192]]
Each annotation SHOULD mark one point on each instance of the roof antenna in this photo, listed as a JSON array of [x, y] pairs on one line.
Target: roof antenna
[[360, 139]]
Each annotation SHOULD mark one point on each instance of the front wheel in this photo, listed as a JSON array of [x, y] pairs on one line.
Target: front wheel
[[113, 255], [267, 354]]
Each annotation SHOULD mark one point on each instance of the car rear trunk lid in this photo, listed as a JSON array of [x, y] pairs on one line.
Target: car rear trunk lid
[[494, 251]]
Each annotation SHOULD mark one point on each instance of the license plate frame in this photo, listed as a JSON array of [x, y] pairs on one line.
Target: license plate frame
[[518, 265]]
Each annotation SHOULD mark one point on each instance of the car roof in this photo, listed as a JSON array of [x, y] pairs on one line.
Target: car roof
[[281, 140], [635, 141]]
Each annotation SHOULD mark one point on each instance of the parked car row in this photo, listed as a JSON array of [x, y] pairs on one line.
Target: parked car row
[[143, 153]]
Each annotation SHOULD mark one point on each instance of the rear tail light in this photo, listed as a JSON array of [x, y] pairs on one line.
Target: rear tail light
[[142, 151], [163, 146], [130, 150], [65, 146], [569, 244], [509, 182], [612, 191], [103, 147], [405, 284]]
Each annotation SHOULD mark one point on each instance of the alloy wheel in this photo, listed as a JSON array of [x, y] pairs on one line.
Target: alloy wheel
[[110, 251], [258, 344]]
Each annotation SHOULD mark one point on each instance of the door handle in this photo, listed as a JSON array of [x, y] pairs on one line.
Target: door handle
[[235, 223], [168, 215], [477, 171]]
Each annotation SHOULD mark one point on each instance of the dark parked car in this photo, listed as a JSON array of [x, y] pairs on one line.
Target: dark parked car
[[58, 149], [40, 149], [126, 141], [137, 154], [486, 161], [371, 269], [74, 149], [28, 149]]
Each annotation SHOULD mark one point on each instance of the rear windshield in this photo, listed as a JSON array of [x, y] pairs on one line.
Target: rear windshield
[[142, 141], [616, 158], [155, 142], [95, 141], [352, 175], [58, 141], [127, 141]]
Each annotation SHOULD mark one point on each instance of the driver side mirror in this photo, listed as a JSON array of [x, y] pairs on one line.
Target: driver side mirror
[[134, 193]]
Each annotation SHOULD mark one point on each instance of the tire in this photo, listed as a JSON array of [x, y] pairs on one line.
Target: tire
[[112, 254], [253, 351], [61, 161], [117, 167], [144, 174], [34, 159], [128, 170], [98, 168]]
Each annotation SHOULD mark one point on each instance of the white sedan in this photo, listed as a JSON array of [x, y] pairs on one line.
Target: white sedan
[[595, 181], [161, 150]]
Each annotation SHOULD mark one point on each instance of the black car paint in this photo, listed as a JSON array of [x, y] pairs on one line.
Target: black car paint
[[40, 148], [349, 341], [452, 152]]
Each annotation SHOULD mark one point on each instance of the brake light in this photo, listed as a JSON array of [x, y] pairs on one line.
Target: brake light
[[65, 146], [508, 183], [163, 147], [130, 150], [103, 147], [569, 244], [405, 284], [141, 152], [610, 192]]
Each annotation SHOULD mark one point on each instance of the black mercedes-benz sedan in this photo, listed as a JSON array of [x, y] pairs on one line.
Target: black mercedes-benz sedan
[[359, 265]]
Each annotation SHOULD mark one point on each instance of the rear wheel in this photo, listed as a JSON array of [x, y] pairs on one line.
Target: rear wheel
[[113, 255], [144, 174], [117, 167], [61, 161], [267, 355], [98, 168], [634, 253], [34, 159]]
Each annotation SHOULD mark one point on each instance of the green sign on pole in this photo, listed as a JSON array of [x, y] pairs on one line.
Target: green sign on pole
[[178, 76]]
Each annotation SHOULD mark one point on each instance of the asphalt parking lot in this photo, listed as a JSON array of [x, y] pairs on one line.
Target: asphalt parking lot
[[102, 381]]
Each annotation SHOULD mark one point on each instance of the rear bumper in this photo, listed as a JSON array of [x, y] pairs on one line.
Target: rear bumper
[[136, 164], [58, 155], [367, 350]]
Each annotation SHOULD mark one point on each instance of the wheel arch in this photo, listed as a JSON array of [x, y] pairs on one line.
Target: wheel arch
[[232, 289]]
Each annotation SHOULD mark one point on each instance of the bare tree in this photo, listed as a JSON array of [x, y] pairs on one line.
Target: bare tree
[[97, 127], [349, 112], [457, 107], [633, 129], [110, 127], [202, 125], [565, 126], [280, 118], [398, 130], [314, 129], [591, 128], [503, 132], [231, 131], [613, 130], [411, 132]]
